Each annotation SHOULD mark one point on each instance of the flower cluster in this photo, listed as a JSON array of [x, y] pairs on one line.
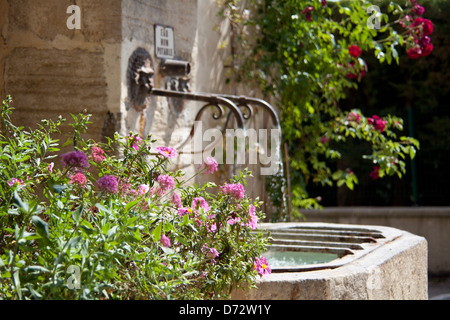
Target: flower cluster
[[211, 253], [108, 183], [98, 155], [165, 241], [378, 123], [14, 182], [375, 174], [79, 179], [75, 159], [235, 190], [307, 12], [420, 30], [136, 142], [210, 165], [166, 183], [353, 117]]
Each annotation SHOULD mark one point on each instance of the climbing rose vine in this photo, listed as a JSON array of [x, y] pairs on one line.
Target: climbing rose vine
[[305, 56]]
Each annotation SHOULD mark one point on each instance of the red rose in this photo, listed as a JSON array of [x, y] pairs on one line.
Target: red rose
[[375, 173], [355, 51], [425, 24]]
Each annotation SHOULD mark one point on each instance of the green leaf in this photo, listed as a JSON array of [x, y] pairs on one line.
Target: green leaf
[[157, 232], [22, 205], [111, 232], [41, 226], [130, 204]]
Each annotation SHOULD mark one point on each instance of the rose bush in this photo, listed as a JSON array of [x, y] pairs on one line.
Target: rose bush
[[306, 56], [91, 225]]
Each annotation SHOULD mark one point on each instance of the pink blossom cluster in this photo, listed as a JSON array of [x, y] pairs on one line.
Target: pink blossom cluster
[[136, 142], [307, 12], [166, 182], [98, 155], [14, 182], [78, 179], [165, 241], [378, 123], [176, 200], [210, 165], [252, 221], [235, 190], [375, 173], [353, 117], [211, 253]]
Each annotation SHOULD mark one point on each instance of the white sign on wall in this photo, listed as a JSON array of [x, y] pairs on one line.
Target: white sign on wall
[[164, 42]]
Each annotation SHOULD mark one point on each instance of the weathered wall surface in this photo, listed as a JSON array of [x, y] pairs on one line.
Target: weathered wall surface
[[158, 118], [50, 69]]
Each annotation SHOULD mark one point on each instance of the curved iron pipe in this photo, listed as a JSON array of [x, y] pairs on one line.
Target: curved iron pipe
[[209, 98], [245, 100]]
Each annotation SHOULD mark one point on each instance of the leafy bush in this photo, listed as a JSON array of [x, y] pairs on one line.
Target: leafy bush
[[307, 56], [102, 226]]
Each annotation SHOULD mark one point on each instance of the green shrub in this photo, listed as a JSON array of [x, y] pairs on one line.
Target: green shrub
[[102, 226]]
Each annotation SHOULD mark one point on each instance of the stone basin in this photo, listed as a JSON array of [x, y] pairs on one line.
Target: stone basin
[[349, 262]]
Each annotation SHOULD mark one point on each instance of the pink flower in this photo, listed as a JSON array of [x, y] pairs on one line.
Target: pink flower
[[108, 183], [353, 116], [307, 12], [165, 241], [378, 123], [356, 74], [184, 211], [261, 266], [176, 200], [235, 190], [143, 189], [210, 165], [136, 142], [354, 51], [211, 253], [233, 220], [50, 167], [166, 182], [375, 173], [14, 182], [419, 10], [253, 223], [199, 202], [97, 154], [325, 139], [79, 179], [324, 3], [167, 152]]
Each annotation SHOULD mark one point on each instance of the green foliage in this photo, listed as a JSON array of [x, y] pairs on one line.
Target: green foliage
[[66, 235], [298, 52]]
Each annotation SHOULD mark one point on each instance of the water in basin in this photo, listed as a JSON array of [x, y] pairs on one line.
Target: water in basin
[[277, 259]]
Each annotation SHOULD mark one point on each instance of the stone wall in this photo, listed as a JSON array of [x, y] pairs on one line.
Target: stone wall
[[50, 69]]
